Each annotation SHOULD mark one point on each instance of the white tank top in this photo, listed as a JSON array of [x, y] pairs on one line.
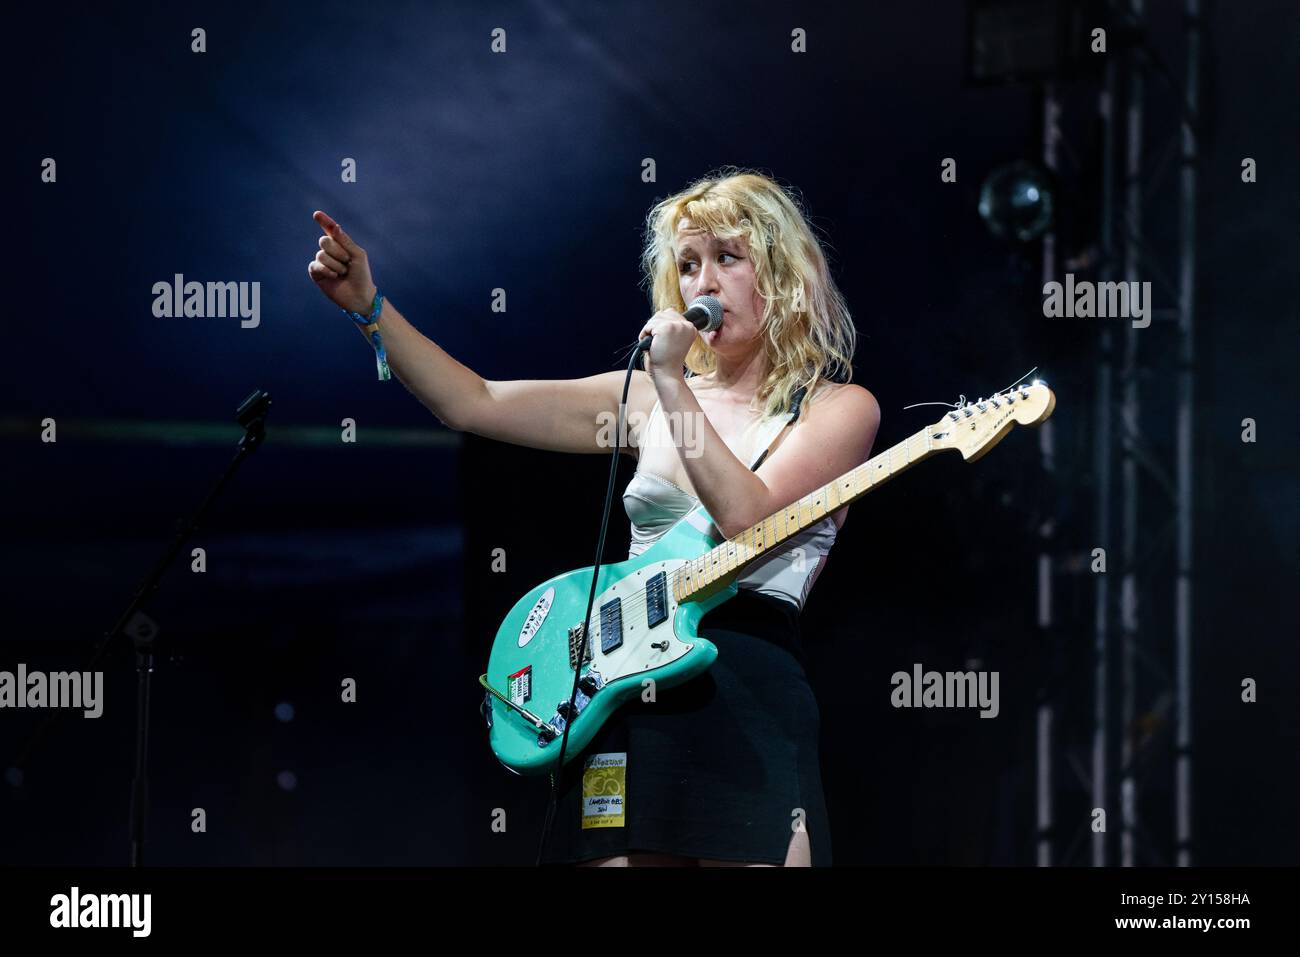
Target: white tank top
[[654, 504]]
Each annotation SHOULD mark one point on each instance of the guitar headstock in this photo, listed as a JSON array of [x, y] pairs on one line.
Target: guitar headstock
[[976, 427]]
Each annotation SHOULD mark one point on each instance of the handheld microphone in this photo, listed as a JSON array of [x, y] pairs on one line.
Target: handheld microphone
[[705, 312]]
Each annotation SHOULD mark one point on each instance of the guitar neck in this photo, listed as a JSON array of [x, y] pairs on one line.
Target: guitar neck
[[726, 560]]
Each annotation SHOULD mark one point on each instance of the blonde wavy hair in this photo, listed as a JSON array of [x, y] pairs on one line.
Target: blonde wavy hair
[[806, 326]]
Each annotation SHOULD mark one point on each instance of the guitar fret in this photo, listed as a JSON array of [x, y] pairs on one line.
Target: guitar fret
[[730, 556], [771, 531]]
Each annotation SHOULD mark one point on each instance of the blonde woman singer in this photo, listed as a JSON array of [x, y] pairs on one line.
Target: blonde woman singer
[[722, 770]]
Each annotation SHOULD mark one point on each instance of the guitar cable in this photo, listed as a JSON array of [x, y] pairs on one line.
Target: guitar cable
[[642, 344]]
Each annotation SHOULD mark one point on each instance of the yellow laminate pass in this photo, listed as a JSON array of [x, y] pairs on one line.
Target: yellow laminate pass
[[604, 790]]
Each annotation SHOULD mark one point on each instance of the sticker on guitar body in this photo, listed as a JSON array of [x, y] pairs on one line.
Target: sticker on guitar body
[[520, 685], [604, 790]]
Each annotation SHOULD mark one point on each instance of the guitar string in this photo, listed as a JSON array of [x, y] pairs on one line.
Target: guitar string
[[635, 604]]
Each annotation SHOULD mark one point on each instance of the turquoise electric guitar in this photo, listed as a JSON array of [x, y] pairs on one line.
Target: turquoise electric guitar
[[647, 609]]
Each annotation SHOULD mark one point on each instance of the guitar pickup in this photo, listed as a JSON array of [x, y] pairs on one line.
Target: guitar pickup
[[656, 600], [611, 625]]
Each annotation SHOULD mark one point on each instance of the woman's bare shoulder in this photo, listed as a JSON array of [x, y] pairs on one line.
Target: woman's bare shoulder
[[837, 393], [845, 402]]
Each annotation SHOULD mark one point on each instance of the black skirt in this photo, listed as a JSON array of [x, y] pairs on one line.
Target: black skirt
[[720, 767]]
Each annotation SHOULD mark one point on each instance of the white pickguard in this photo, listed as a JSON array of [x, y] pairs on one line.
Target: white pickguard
[[636, 655]]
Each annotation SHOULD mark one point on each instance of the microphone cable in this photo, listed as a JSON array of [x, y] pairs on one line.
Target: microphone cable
[[706, 314], [641, 346]]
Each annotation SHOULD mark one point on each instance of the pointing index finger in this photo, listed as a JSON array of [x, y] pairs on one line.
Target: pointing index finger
[[335, 231]]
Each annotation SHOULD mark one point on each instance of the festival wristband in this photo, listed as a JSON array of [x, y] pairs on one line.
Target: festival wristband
[[370, 324]]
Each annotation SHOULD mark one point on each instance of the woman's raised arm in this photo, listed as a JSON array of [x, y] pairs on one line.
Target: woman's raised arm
[[560, 415]]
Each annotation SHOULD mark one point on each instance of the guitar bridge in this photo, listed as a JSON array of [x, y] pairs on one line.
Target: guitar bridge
[[578, 644]]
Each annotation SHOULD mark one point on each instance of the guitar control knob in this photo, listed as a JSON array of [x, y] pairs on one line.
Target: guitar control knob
[[564, 711]]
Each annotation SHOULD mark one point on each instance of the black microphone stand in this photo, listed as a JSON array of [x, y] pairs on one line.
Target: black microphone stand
[[143, 631], [252, 416]]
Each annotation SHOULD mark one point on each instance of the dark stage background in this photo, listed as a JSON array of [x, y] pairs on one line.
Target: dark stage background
[[522, 171]]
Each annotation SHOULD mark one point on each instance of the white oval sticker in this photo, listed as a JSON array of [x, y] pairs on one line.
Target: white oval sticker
[[536, 616]]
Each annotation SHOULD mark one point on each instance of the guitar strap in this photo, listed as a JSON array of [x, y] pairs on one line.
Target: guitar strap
[[795, 401], [695, 519]]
